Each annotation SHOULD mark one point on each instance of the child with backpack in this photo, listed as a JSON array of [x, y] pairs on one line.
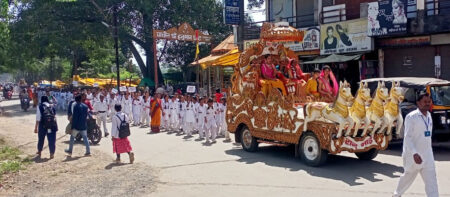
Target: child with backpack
[[120, 131]]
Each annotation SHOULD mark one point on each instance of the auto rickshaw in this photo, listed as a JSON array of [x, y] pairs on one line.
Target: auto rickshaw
[[439, 91]]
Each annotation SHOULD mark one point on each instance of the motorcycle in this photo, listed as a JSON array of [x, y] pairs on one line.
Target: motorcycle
[[25, 104], [8, 95], [94, 134]]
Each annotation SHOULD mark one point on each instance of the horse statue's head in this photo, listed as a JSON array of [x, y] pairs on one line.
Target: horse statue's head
[[345, 92], [382, 92], [396, 93], [364, 92]]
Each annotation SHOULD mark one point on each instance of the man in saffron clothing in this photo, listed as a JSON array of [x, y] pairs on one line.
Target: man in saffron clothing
[[156, 112]]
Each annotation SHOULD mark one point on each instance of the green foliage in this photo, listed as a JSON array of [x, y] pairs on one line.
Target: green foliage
[[10, 161]]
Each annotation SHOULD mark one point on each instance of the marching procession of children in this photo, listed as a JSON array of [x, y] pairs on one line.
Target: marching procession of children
[[186, 114]]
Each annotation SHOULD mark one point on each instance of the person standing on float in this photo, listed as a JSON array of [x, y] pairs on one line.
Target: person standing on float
[[417, 150]]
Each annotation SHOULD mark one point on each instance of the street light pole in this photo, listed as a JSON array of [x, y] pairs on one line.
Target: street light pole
[[116, 46]]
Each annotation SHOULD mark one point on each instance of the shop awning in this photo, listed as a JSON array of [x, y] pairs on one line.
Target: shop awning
[[334, 58], [228, 59]]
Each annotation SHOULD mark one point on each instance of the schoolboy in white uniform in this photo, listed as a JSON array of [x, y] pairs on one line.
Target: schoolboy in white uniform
[[166, 111], [224, 126], [137, 107], [190, 119], [173, 113], [181, 112], [126, 104], [210, 122], [201, 111], [146, 112]]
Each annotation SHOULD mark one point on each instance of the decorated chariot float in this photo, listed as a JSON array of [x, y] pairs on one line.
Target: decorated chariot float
[[278, 111]]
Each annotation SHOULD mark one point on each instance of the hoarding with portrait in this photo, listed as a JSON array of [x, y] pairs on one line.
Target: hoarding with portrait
[[345, 37], [386, 17]]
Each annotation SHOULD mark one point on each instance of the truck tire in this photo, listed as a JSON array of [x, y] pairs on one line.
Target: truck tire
[[249, 143], [310, 151], [369, 155]]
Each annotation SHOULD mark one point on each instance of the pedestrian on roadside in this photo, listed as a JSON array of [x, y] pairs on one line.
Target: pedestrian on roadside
[[120, 145], [417, 150], [101, 109], [46, 125], [79, 124]]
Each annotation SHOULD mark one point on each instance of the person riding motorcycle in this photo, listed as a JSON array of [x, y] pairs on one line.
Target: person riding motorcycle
[[24, 99]]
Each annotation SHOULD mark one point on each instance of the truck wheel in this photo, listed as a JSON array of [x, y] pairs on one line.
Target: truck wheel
[[310, 151], [249, 143], [369, 155]]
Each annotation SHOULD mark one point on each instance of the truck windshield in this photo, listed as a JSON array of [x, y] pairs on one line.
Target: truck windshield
[[441, 95]]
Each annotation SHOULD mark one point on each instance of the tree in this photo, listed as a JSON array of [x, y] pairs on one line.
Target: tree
[[53, 28]]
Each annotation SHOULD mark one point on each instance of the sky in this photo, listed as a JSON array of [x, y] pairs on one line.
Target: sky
[[258, 15]]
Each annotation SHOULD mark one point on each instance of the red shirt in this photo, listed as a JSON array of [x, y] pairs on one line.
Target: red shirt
[[218, 97], [88, 103]]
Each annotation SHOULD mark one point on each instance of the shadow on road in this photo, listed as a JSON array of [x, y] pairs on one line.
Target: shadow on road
[[345, 169], [112, 165]]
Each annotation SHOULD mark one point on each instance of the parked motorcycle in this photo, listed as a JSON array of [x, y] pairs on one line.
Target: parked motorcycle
[[25, 103], [94, 133], [8, 95]]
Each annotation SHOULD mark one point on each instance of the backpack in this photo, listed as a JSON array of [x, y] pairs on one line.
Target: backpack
[[48, 117], [124, 128]]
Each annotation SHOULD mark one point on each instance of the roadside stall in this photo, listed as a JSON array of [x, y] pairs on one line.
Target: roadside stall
[[215, 70]]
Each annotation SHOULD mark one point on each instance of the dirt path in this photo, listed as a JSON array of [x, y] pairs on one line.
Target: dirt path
[[97, 175]]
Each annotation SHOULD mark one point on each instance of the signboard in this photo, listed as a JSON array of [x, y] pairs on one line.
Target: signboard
[[404, 42], [190, 89], [131, 89], [345, 37], [231, 12], [183, 33], [386, 17], [311, 40], [75, 83], [114, 91], [123, 88]]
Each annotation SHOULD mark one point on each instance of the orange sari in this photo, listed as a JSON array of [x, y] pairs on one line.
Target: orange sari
[[155, 113]]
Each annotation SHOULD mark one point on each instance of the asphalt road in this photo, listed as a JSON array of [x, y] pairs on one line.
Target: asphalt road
[[186, 167]]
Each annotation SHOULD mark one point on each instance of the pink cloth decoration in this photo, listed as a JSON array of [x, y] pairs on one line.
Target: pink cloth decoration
[[267, 71]]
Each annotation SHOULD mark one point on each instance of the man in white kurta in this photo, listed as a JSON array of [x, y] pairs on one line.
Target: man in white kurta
[[101, 108], [145, 115], [181, 112], [417, 150]]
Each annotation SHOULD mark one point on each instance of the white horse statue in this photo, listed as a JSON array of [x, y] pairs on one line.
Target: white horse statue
[[337, 113], [375, 112], [358, 109], [391, 110]]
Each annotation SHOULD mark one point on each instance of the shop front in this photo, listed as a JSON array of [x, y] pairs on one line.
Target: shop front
[[417, 56], [346, 48]]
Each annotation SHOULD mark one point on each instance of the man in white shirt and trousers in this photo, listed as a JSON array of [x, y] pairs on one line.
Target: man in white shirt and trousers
[[417, 150], [101, 108]]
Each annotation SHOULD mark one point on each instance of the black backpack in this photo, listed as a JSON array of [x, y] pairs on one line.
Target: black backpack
[[124, 128], [48, 117]]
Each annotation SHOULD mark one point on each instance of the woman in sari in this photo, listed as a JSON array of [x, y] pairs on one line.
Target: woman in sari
[[155, 113], [269, 73], [328, 86]]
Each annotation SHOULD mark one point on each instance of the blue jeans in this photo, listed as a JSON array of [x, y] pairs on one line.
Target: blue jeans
[[85, 140], [51, 138]]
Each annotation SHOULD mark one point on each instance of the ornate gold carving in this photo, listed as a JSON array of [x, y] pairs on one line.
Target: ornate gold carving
[[260, 118]]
